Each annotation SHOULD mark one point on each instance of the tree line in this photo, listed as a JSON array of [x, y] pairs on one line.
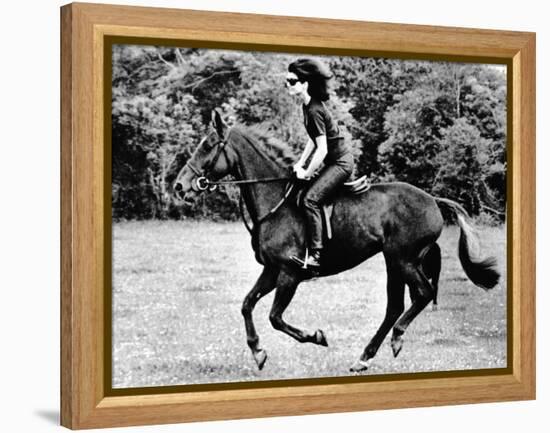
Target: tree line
[[438, 125]]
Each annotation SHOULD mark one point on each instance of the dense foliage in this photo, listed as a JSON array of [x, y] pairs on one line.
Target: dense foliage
[[439, 126]]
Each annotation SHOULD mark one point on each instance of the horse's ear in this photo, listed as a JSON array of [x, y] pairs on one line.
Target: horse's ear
[[218, 123]]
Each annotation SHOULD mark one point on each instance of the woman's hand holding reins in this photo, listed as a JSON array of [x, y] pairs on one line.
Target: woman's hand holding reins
[[299, 172]]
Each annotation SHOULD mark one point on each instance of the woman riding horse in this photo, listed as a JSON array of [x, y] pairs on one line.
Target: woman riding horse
[[307, 79], [397, 219]]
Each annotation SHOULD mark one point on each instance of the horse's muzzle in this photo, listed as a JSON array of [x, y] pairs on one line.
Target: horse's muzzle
[[182, 196], [189, 198]]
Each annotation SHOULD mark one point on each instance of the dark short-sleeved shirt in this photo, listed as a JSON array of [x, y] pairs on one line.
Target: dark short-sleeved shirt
[[318, 121]]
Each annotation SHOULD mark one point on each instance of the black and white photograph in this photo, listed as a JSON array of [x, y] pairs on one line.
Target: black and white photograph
[[275, 216], [282, 216]]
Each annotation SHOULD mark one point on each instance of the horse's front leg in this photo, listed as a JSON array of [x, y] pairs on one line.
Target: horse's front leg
[[264, 285], [286, 288]]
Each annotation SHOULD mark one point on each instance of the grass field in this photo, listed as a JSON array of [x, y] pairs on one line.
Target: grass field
[[178, 289]]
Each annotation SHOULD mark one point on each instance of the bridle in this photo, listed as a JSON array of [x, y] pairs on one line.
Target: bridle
[[203, 183]]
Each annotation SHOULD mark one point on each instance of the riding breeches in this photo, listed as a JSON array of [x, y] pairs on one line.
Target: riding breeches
[[322, 189]]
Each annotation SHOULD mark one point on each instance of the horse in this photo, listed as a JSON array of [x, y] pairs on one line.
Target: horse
[[398, 219]]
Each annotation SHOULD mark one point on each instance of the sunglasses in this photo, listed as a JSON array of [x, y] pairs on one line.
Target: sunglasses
[[292, 81]]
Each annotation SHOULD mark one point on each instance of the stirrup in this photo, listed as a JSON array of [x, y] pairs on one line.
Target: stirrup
[[303, 263]]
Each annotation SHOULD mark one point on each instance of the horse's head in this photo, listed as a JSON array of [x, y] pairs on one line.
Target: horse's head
[[210, 161]]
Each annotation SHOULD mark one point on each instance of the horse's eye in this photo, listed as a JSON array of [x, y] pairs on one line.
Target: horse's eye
[[207, 143]]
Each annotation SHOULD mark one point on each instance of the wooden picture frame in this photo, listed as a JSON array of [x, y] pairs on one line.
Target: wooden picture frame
[[85, 402]]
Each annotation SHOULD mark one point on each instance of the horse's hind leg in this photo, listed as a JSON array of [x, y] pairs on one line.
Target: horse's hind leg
[[431, 267], [264, 285], [422, 294], [435, 271], [395, 290], [286, 288]]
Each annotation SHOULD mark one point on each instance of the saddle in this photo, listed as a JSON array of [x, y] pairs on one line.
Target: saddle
[[354, 187]]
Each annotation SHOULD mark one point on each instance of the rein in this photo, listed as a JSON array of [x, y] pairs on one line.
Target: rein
[[203, 183], [247, 181], [260, 220]]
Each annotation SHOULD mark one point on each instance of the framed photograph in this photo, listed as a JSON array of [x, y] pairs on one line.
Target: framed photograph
[[265, 215]]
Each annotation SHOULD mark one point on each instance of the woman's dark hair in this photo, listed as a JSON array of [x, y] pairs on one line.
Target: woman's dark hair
[[315, 73]]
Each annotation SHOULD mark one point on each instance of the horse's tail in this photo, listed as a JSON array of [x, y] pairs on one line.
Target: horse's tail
[[481, 271]]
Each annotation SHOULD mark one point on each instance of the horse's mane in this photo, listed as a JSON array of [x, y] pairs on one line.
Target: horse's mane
[[261, 136]]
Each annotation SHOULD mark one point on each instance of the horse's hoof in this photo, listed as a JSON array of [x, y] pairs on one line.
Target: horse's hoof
[[320, 338], [260, 357], [360, 366], [396, 345], [434, 307]]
